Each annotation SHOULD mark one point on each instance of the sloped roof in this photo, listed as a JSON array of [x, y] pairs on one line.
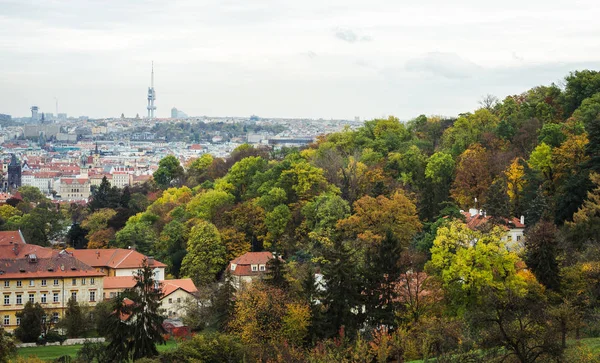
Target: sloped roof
[[119, 282], [244, 263], [170, 286], [477, 220], [114, 258], [9, 237], [253, 258], [58, 264]]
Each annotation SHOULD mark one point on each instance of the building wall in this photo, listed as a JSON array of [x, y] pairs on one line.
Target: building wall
[[159, 273], [174, 302], [75, 190], [64, 288]]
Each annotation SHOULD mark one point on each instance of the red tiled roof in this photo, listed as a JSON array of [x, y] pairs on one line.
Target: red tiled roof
[[170, 286], [58, 264], [114, 258], [253, 258], [119, 282], [9, 237], [73, 180], [244, 263], [476, 221]]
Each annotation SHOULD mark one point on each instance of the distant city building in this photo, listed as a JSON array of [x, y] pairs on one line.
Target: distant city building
[[14, 173], [175, 113], [35, 116], [4, 117]]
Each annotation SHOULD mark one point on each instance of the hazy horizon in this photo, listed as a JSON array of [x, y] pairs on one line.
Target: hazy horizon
[[285, 58]]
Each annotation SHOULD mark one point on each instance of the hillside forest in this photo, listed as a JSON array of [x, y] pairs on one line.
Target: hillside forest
[[375, 261]]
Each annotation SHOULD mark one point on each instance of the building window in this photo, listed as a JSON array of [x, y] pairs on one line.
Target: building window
[[43, 282], [170, 301], [74, 282], [19, 300], [43, 298], [55, 297], [31, 298], [83, 281], [262, 267], [55, 318], [254, 268], [92, 295], [6, 319], [18, 321], [178, 300], [518, 238], [19, 283], [74, 296], [6, 299], [92, 281], [31, 283], [112, 294], [55, 282], [6, 283]]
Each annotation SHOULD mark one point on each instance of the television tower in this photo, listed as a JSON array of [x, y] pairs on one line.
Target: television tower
[[151, 95]]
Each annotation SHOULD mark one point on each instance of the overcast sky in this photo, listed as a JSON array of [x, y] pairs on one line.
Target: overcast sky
[[279, 58]]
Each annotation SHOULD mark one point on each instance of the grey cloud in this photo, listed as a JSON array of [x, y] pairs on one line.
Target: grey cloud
[[350, 36], [447, 65]]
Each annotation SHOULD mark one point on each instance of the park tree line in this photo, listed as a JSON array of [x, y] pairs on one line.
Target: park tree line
[[376, 262]]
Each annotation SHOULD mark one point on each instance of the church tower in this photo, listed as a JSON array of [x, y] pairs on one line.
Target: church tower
[[14, 173]]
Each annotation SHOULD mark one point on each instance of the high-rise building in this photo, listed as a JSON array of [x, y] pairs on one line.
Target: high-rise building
[[34, 113], [151, 95]]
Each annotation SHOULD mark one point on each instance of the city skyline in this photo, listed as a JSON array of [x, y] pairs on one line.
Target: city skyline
[[285, 59]]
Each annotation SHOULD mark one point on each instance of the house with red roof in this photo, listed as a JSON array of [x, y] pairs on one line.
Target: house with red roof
[[42, 275], [119, 261], [515, 227], [248, 267], [175, 293]]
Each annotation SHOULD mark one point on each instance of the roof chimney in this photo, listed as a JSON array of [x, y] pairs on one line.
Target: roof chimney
[[523, 220]]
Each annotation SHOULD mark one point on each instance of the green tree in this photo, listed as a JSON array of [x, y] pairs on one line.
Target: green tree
[[579, 86], [30, 328], [208, 204], [467, 262], [205, 254], [542, 253], [104, 196], [197, 170], [76, 321], [497, 202], [223, 306], [276, 222], [7, 347], [136, 321], [169, 172], [137, 234], [31, 194], [341, 292], [171, 245]]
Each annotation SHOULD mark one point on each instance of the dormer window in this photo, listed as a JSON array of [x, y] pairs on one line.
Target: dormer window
[[254, 268], [233, 265], [261, 267]]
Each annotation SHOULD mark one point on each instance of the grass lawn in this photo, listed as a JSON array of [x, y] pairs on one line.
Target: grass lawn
[[53, 352]]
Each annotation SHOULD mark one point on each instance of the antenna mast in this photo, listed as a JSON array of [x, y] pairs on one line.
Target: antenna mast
[[151, 95]]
